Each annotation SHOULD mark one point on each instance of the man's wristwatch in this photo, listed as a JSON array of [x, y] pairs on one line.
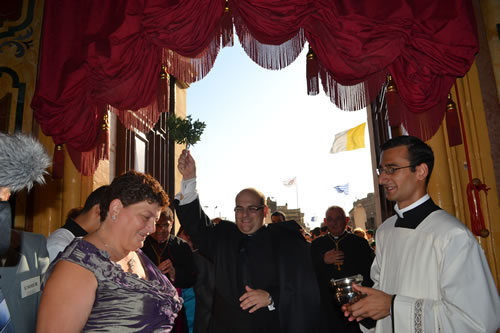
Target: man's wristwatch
[[271, 307]]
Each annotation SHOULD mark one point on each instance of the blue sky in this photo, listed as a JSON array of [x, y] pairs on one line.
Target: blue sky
[[263, 129]]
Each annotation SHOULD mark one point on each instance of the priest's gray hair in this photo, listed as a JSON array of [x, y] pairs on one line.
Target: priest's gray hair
[[23, 161]]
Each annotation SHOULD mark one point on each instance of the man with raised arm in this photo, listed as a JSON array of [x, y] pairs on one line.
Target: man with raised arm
[[265, 279], [430, 272]]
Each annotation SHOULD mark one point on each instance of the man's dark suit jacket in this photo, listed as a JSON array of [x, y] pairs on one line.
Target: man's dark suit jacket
[[358, 258], [179, 252], [299, 303]]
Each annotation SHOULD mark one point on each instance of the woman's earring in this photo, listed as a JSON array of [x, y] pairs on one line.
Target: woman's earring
[[113, 217]]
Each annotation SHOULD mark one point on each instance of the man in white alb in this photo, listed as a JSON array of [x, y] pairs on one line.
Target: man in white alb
[[430, 273]]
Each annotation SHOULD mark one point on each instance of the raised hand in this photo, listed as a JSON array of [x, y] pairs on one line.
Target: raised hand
[[186, 165]]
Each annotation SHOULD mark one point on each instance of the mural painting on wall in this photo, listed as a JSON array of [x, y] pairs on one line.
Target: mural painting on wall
[[16, 38]]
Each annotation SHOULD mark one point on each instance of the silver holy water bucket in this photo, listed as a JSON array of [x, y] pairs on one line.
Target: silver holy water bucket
[[344, 294]]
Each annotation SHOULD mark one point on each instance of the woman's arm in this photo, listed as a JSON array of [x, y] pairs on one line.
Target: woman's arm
[[67, 299]]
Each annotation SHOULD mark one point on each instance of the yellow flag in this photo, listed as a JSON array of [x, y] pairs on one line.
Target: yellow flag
[[351, 139]]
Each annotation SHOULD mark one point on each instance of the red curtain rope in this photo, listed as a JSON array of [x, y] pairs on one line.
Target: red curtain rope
[[474, 186]]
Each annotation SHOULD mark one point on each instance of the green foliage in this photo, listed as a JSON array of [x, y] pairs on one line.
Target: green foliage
[[185, 131]]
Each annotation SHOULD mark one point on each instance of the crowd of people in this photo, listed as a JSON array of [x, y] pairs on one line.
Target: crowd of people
[[116, 265]]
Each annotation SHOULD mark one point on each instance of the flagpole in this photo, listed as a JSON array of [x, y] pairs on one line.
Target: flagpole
[[297, 193], [293, 182]]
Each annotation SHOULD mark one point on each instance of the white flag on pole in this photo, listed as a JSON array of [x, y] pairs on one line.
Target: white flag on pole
[[290, 182]]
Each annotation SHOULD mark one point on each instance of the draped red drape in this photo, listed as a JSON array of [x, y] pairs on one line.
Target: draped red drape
[[98, 52]]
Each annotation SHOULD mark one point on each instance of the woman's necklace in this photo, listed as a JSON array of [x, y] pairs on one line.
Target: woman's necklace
[[130, 261]]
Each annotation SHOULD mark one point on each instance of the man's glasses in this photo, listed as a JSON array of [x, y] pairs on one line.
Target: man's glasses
[[390, 170], [249, 209]]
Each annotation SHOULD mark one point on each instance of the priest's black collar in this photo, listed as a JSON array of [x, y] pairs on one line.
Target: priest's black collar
[[74, 228], [338, 238], [412, 218], [258, 232]]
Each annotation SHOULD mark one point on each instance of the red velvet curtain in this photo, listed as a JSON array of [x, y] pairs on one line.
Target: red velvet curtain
[[98, 52]]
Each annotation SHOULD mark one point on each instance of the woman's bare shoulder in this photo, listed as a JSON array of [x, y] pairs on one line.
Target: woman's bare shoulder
[[69, 272]]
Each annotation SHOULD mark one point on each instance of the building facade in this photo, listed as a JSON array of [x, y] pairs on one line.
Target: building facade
[[291, 213], [363, 213]]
